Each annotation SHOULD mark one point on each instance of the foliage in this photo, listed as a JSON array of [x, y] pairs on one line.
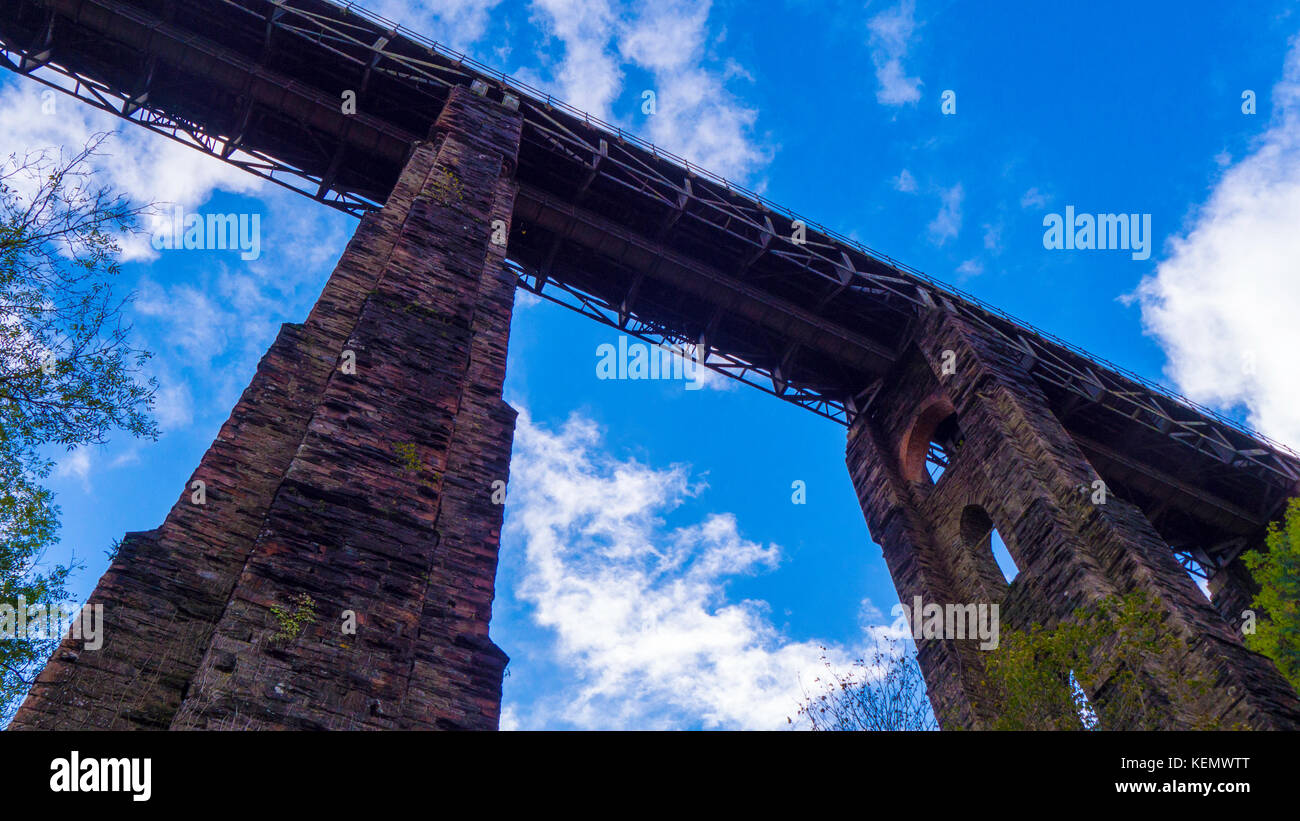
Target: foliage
[[1277, 572], [888, 693], [68, 374], [1037, 678], [408, 456], [28, 523], [290, 622], [444, 185]]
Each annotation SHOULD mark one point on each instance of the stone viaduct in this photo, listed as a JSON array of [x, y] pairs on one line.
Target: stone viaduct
[[358, 468]]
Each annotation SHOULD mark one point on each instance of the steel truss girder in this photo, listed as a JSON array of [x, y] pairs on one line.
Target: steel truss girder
[[130, 108], [726, 364]]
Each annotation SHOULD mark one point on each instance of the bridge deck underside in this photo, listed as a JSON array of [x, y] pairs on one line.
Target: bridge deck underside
[[618, 230]]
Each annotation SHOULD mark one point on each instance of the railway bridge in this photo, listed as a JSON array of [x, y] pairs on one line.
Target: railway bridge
[[470, 185]]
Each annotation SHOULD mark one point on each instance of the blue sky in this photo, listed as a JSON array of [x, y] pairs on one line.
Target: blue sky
[[654, 570]]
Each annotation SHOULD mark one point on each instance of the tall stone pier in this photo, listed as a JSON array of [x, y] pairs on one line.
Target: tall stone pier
[[1013, 467], [357, 482]]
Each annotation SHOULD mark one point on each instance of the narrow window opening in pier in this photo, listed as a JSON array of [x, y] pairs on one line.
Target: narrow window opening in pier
[[978, 533], [1003, 557]]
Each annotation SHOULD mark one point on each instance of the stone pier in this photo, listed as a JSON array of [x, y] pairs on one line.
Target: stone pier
[[1013, 467], [353, 483]]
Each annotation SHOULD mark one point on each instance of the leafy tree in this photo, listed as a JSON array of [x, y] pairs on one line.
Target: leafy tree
[[1277, 572], [888, 693], [1037, 678], [1030, 681], [68, 373], [28, 523]]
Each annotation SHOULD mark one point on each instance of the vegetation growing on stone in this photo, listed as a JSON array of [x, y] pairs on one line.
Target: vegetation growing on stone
[[290, 622], [1038, 678], [407, 456], [1277, 572]]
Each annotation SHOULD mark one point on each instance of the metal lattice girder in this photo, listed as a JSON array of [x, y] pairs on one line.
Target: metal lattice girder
[[665, 337], [257, 83]]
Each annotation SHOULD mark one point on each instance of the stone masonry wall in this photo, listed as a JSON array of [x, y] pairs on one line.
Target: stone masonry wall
[[1019, 466], [369, 492]]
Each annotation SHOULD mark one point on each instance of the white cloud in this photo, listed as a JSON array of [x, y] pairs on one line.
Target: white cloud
[[1224, 303], [173, 406], [526, 299], [698, 119], [890, 32], [199, 326], [869, 615], [666, 36], [127, 457], [709, 378], [969, 268], [947, 223], [732, 69], [905, 182], [1033, 198], [696, 116], [642, 622], [455, 23], [145, 167], [589, 76], [993, 237], [75, 464]]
